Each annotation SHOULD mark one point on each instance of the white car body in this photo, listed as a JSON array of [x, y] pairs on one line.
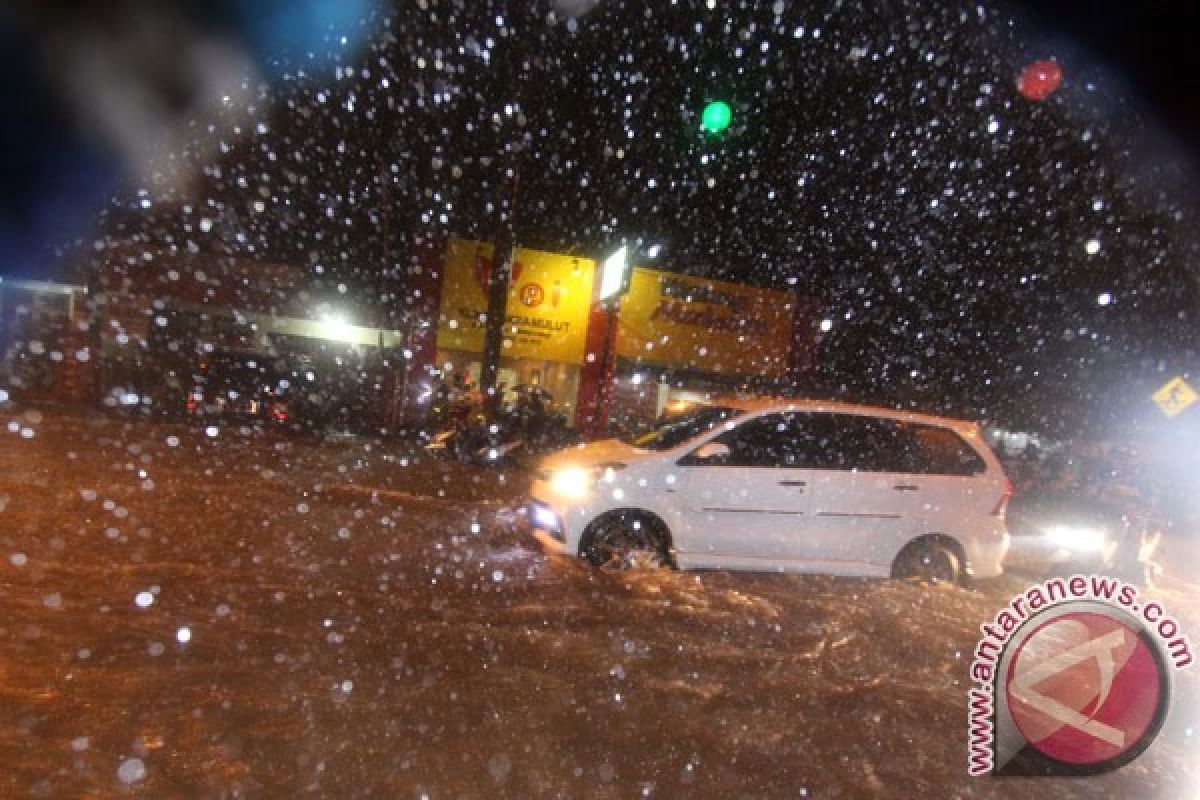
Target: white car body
[[793, 518]]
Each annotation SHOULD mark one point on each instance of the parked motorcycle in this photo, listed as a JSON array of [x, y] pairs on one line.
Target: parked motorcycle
[[524, 428]]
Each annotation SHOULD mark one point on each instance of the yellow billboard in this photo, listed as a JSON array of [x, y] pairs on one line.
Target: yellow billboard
[[713, 326], [549, 297]]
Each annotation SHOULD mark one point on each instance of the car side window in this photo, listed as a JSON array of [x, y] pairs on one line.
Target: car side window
[[890, 446], [758, 442], [859, 443], [786, 440], [840, 442], [943, 452], [874, 444], [850, 443], [811, 441]]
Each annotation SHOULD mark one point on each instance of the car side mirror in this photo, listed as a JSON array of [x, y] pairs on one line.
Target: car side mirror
[[710, 453]]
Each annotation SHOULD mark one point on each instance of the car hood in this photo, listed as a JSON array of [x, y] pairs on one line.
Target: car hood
[[594, 454]]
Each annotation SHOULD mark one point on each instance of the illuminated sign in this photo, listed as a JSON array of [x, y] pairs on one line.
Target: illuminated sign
[[614, 274], [712, 326], [549, 299], [666, 319]]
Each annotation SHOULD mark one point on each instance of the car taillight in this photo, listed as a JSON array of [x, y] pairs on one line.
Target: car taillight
[[191, 404], [1002, 504], [279, 412]]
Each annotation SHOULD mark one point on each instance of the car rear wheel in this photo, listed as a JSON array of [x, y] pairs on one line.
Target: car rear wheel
[[928, 561], [625, 540]]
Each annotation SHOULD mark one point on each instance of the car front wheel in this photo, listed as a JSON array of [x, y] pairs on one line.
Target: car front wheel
[[624, 540]]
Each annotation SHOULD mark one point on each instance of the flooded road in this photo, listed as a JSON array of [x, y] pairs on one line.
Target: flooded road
[[236, 616]]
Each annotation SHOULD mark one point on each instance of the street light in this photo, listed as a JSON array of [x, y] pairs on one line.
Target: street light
[[334, 325]]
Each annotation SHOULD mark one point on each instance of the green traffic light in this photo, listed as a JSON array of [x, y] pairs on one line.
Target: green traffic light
[[716, 117]]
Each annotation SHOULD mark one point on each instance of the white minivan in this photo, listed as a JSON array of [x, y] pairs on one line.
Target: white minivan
[[783, 485]]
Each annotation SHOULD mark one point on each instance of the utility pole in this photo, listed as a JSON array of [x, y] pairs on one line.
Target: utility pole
[[382, 315], [507, 59], [499, 277]]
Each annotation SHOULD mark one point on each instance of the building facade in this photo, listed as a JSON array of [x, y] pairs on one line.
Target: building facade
[[44, 352], [149, 320], [676, 336]]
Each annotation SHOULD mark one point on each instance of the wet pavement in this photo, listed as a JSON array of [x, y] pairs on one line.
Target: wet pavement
[[242, 616]]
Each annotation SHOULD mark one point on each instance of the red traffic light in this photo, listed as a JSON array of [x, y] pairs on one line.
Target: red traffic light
[[1039, 79]]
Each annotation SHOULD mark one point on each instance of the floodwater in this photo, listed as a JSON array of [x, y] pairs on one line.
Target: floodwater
[[246, 616]]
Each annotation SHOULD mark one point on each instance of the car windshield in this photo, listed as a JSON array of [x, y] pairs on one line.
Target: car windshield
[[677, 429]]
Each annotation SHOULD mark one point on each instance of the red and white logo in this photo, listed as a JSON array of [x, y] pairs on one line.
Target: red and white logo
[[1071, 678], [1085, 689], [532, 294]]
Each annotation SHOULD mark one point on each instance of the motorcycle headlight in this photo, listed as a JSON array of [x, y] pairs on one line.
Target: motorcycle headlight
[[1074, 537]]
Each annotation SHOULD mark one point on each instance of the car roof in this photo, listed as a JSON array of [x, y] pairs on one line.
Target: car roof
[[758, 404]]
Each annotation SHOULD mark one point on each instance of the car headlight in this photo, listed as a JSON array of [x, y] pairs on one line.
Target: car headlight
[[573, 482], [576, 482], [1076, 537]]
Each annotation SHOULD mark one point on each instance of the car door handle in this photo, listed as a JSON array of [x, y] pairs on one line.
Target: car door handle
[[905, 487], [793, 483]]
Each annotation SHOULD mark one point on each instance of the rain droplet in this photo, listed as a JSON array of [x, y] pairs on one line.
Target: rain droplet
[[499, 765], [131, 770]]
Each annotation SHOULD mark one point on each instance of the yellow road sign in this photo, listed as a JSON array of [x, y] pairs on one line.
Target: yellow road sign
[[1175, 396]]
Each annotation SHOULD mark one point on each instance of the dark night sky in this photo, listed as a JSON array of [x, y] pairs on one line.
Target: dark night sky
[[1150, 44], [54, 172]]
